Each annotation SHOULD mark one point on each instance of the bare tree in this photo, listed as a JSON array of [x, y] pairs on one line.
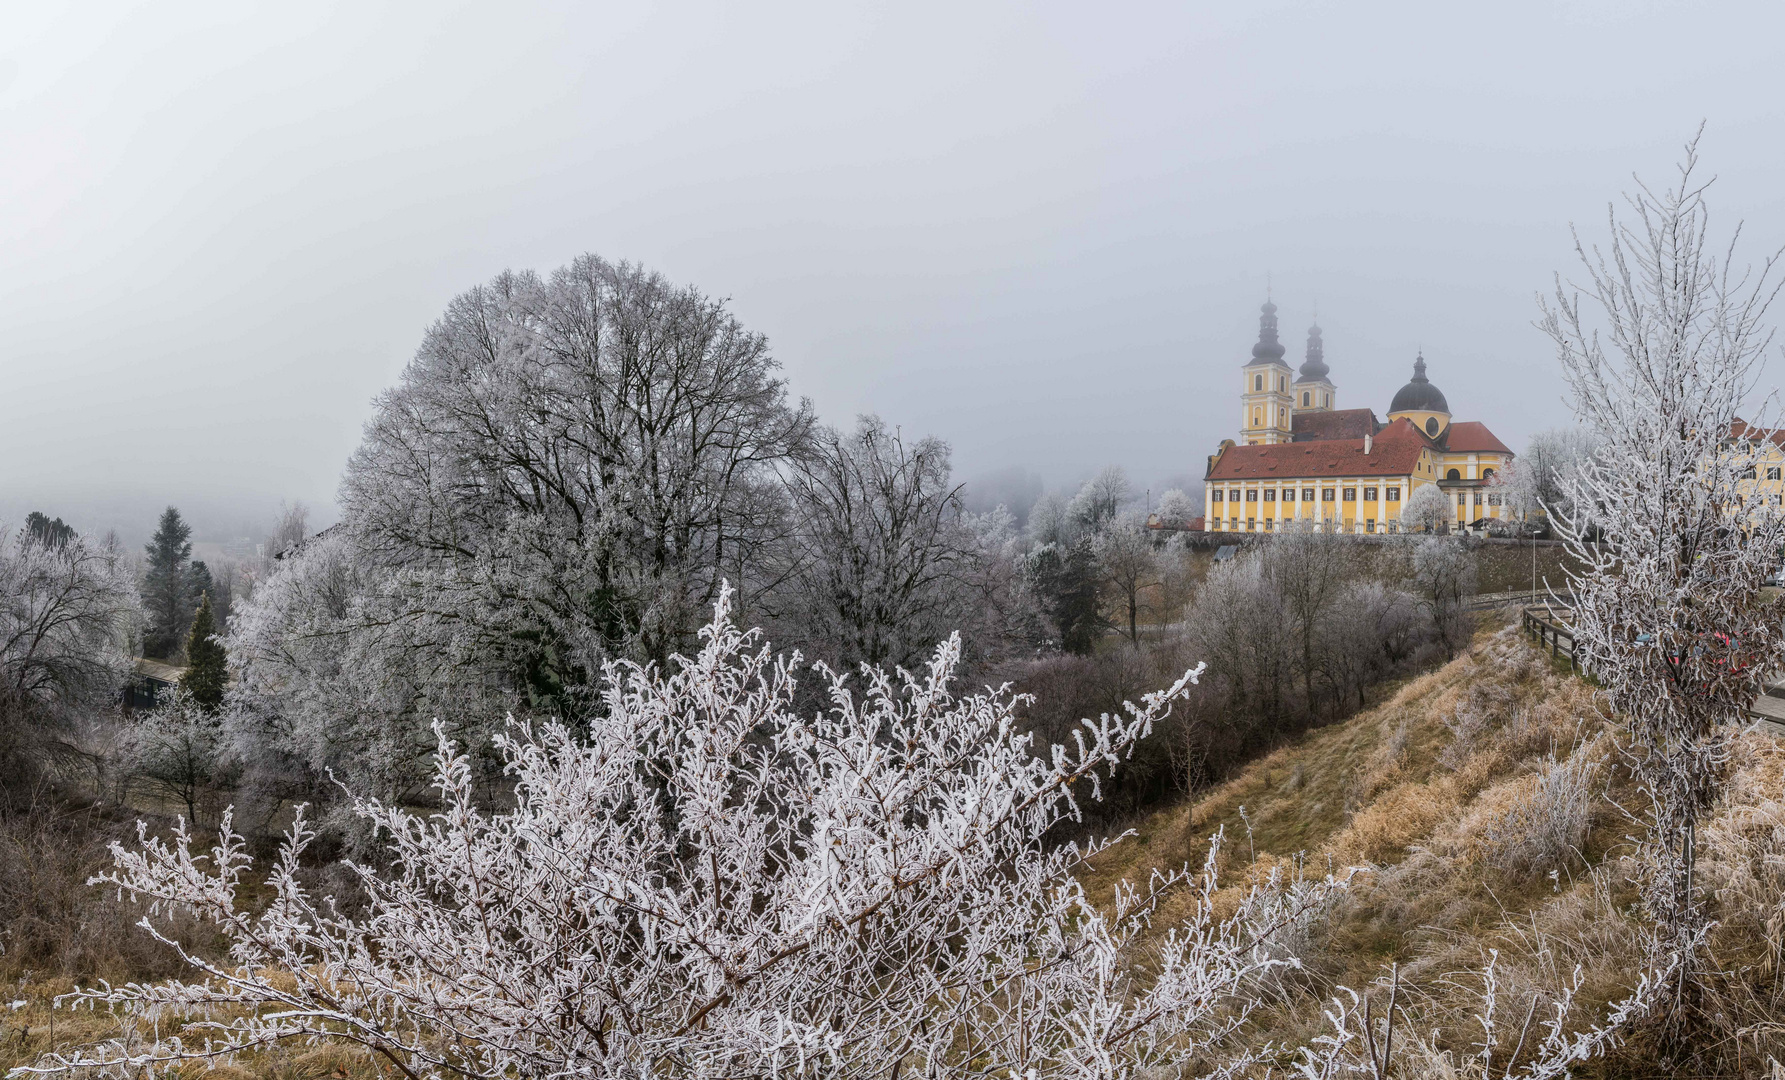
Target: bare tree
[[1669, 615], [881, 551], [571, 463], [1235, 623], [1309, 568], [1129, 566], [67, 610], [1443, 581], [1538, 481]]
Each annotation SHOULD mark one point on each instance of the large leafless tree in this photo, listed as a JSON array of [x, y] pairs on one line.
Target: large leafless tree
[[881, 552], [570, 463]]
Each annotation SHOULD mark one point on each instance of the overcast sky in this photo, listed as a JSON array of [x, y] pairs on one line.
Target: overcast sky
[[1040, 232]]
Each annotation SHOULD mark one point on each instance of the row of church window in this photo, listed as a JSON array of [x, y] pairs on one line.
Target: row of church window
[[1326, 495], [1393, 494], [1772, 472], [1349, 525]]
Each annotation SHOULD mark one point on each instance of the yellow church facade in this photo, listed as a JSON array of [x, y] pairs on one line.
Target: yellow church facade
[[1300, 458]]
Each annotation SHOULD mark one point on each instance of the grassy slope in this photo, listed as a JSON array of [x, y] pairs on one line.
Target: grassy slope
[[1396, 788], [1445, 822]]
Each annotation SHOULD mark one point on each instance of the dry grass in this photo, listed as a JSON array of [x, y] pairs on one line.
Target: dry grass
[[1483, 796]]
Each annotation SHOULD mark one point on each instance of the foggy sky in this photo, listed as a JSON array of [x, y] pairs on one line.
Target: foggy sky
[[1040, 232]]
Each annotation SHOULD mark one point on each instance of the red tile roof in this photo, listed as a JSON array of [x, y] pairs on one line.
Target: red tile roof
[[1393, 452], [1340, 424], [1472, 437], [1740, 429]]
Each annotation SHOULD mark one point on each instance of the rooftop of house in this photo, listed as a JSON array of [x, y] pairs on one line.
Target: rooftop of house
[[1392, 451]]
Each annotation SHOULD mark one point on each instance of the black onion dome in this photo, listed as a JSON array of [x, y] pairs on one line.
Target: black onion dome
[[1268, 348], [1314, 367], [1419, 395]]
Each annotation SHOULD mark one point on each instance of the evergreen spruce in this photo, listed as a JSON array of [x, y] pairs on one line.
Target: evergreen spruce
[[55, 534], [206, 670], [1065, 576], [166, 594]]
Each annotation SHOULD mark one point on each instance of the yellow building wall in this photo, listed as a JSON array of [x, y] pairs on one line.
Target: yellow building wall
[[1769, 474], [1244, 507], [1239, 512]]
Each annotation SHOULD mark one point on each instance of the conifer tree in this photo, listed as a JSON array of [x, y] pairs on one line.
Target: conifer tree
[[206, 670], [55, 534], [165, 585]]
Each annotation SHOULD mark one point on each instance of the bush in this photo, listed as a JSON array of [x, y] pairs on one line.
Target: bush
[[51, 921], [1541, 822]]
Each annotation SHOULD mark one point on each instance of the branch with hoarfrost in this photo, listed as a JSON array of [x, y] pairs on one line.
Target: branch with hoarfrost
[[1357, 1043], [708, 884], [1669, 614]]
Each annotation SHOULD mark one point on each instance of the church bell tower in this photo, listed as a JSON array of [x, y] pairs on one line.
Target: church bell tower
[[1266, 400], [1314, 391]]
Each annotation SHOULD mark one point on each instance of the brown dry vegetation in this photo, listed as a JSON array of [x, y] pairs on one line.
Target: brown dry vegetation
[[1480, 794], [1484, 798]]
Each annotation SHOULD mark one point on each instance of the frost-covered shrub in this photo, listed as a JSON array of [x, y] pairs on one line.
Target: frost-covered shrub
[[1541, 823], [710, 884]]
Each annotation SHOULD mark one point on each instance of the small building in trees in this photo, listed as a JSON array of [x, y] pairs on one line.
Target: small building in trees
[[1300, 458], [149, 685]]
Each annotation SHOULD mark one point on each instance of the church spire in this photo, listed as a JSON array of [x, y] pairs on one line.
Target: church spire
[[1314, 367], [1268, 349]]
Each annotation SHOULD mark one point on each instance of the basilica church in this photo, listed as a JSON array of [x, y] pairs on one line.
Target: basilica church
[[1301, 458]]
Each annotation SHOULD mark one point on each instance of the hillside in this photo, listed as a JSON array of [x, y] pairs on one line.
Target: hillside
[[1483, 798]]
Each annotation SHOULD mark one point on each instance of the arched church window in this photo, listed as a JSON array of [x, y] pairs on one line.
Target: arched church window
[[1304, 399], [1486, 473], [1326, 401], [1431, 425], [1453, 475], [1258, 382], [1281, 381]]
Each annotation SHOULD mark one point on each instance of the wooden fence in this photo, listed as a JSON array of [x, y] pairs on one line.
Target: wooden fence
[[1549, 626]]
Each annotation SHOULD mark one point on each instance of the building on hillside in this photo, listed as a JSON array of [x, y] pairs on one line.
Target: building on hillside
[[1300, 458], [1768, 471]]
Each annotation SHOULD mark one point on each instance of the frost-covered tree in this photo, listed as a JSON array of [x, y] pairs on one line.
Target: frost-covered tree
[[1538, 481], [880, 552], [569, 464], [334, 675], [1176, 507], [1443, 580], [67, 612], [1427, 510], [864, 891], [177, 751], [1129, 566], [1102, 497], [1659, 355], [1049, 522]]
